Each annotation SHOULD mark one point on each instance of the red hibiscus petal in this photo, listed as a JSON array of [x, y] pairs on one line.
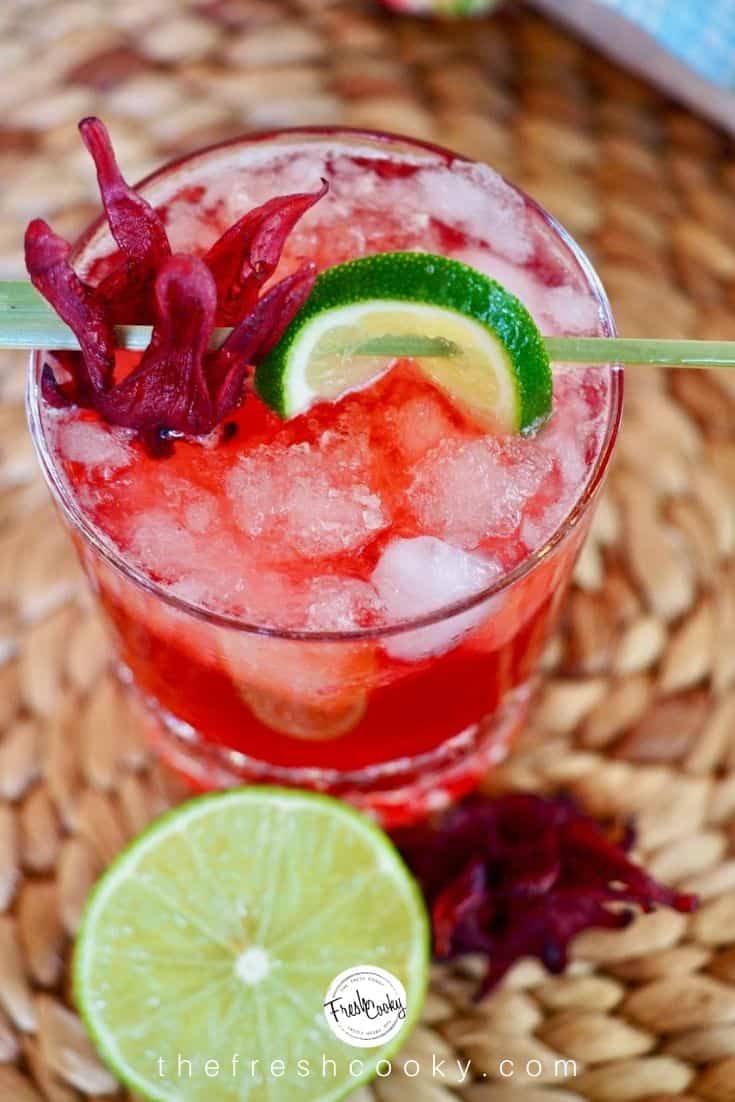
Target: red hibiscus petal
[[178, 387], [54, 394], [545, 931], [47, 261], [490, 890], [256, 335], [135, 225], [128, 293], [247, 254], [168, 390], [461, 899]]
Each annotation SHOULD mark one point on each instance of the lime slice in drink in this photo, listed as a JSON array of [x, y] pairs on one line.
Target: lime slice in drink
[[473, 338], [208, 948]]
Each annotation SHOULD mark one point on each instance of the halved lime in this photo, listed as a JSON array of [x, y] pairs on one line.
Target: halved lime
[[207, 949], [473, 338]]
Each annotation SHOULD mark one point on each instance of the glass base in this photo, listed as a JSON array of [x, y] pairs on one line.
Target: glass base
[[394, 793]]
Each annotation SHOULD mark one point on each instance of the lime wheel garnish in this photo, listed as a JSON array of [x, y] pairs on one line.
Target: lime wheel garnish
[[219, 931], [471, 337]]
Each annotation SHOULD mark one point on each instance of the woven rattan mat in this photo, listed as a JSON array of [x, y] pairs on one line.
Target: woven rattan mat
[[638, 713]]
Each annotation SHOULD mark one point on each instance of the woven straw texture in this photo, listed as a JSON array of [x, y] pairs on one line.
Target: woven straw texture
[[638, 712]]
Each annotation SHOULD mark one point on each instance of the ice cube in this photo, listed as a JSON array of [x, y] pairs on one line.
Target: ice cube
[[540, 527], [270, 598], [306, 674], [197, 509], [519, 280], [570, 439], [94, 445], [564, 436], [200, 512], [419, 424], [336, 603], [566, 310], [304, 500], [476, 200], [539, 523], [415, 577], [162, 546], [467, 491], [209, 569]]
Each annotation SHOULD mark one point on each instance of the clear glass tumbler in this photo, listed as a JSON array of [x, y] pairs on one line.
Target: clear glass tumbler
[[400, 719]]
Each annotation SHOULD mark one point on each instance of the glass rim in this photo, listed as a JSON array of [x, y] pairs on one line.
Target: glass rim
[[117, 560]]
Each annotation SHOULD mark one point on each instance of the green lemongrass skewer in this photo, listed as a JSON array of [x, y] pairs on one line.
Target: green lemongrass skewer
[[580, 350], [634, 351], [33, 331], [26, 321]]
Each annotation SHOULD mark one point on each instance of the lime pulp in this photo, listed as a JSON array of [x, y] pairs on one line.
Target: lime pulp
[[472, 337], [213, 938]]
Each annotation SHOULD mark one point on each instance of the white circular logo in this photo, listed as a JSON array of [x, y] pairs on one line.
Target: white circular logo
[[365, 1006]]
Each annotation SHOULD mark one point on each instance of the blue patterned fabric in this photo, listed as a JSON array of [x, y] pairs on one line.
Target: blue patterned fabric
[[701, 33]]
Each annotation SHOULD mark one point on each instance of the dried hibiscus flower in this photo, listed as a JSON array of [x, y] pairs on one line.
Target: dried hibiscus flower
[[179, 385], [521, 875]]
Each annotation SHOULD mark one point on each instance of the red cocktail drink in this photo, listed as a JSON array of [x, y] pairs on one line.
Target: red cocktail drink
[[354, 600]]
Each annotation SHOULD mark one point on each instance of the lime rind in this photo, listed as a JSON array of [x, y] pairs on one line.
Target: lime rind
[[429, 281], [176, 820]]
